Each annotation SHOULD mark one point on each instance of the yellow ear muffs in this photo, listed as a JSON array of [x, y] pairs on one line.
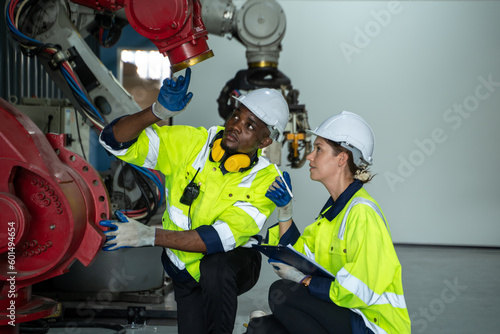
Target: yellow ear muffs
[[217, 150], [234, 162]]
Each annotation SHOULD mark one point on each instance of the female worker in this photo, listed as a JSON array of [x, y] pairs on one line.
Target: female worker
[[350, 238]]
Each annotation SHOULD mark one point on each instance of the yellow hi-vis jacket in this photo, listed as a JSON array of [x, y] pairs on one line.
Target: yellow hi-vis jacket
[[356, 247], [231, 207]]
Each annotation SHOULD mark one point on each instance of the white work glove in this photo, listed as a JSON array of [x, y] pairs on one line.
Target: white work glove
[[285, 213], [173, 97], [288, 272], [127, 232]]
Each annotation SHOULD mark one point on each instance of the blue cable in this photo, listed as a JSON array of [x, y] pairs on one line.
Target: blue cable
[[153, 178], [15, 30], [74, 86], [78, 91], [156, 180], [66, 75], [104, 36]]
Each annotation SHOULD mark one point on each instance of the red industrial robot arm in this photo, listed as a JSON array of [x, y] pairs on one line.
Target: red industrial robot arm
[[176, 29]]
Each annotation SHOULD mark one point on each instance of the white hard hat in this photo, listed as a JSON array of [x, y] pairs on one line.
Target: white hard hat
[[270, 106], [352, 132]]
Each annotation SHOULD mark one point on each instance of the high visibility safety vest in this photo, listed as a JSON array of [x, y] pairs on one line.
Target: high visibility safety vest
[[231, 207], [356, 247]]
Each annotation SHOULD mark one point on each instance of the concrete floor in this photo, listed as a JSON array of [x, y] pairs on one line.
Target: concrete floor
[[447, 289]]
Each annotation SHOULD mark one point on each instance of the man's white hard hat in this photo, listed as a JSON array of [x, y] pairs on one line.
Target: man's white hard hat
[[270, 106], [352, 132]]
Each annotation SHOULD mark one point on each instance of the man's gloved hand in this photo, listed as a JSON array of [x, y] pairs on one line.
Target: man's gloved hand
[[278, 193], [127, 232], [287, 272], [173, 97]]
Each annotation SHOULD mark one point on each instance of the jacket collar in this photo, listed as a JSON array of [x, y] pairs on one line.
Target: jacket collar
[[332, 208]]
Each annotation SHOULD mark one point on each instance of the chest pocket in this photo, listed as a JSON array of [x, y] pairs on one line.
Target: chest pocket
[[235, 194], [337, 253], [338, 247], [221, 191]]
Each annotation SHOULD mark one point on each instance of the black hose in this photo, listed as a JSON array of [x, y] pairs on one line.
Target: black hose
[[35, 326], [74, 324], [41, 327]]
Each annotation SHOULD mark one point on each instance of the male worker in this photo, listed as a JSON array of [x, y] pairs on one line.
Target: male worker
[[215, 184]]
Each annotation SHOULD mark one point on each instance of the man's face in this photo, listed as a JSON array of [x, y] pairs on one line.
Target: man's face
[[245, 133]]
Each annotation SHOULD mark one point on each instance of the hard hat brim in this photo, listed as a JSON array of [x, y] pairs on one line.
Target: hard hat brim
[[359, 154], [311, 132]]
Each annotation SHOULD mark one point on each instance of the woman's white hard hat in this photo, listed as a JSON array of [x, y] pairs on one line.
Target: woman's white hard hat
[[352, 132]]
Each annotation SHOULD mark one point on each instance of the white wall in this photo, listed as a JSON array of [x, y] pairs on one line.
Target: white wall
[[408, 76]]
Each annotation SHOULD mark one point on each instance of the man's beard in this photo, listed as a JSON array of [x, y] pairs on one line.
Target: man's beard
[[228, 150]]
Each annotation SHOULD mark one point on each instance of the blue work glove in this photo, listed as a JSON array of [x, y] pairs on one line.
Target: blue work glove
[[173, 97], [127, 232], [278, 193]]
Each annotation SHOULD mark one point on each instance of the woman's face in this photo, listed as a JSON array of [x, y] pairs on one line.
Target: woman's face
[[322, 161]]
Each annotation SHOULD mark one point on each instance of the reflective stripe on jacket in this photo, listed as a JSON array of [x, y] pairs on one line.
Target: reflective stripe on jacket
[[231, 207], [356, 246]]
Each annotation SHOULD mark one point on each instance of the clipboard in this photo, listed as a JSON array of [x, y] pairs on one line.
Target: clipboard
[[290, 256]]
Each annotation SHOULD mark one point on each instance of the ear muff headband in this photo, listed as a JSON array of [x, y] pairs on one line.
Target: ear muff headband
[[234, 162]]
